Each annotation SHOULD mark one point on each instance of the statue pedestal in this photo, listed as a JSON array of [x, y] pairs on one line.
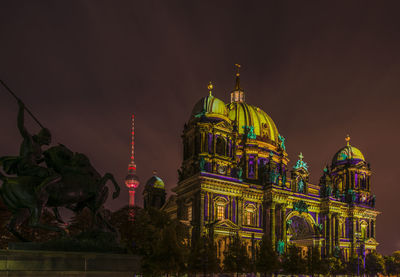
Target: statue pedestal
[[57, 263]]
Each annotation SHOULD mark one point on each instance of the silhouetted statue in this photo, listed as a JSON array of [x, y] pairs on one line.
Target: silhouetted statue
[[29, 161], [68, 180]]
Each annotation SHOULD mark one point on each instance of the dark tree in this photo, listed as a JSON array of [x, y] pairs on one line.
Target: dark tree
[[391, 267], [374, 264], [293, 263], [314, 262], [354, 266], [267, 260], [333, 265], [81, 222], [236, 257], [203, 256], [159, 240]]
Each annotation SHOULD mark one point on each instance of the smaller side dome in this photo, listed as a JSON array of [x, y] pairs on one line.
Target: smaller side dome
[[210, 106], [155, 182], [347, 153]]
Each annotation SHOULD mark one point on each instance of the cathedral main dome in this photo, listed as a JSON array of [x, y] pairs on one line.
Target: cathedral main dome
[[245, 115]]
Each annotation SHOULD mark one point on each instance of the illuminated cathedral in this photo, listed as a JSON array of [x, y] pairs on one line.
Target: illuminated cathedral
[[235, 179]]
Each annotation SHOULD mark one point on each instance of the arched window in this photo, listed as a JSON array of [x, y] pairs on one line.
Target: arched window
[[363, 229], [250, 215], [189, 213], [221, 146], [220, 206], [185, 149], [197, 144]]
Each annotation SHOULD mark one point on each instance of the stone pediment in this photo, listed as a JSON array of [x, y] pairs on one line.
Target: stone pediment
[[226, 224], [371, 241], [224, 125]]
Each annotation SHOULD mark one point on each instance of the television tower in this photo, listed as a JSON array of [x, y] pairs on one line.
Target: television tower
[[132, 180]]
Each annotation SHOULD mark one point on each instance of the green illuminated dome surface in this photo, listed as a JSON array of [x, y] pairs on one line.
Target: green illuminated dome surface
[[155, 182], [210, 106], [244, 114], [348, 153]]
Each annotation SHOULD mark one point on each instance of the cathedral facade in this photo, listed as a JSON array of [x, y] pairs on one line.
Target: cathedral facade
[[235, 179]]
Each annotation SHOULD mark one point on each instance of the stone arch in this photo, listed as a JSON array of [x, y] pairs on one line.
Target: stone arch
[[301, 231], [363, 229], [220, 205], [197, 144], [220, 146], [250, 214], [307, 216]]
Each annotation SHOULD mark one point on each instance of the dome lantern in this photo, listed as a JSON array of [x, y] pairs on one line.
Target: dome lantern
[[237, 95]]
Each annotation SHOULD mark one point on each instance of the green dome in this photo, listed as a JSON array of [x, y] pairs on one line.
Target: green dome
[[210, 106], [348, 153], [247, 115], [155, 182]]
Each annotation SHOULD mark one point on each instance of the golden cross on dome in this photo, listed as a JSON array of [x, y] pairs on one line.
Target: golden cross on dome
[[237, 85], [301, 156], [347, 139], [210, 87], [238, 66]]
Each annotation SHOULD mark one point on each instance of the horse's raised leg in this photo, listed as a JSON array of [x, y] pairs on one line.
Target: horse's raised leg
[[57, 215], [35, 221], [110, 177], [97, 216], [16, 220]]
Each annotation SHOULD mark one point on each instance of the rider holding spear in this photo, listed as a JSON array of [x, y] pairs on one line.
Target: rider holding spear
[[31, 155]]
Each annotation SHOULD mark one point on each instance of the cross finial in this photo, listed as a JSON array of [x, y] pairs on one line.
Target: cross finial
[[347, 139], [237, 85], [238, 66], [301, 156], [210, 87]]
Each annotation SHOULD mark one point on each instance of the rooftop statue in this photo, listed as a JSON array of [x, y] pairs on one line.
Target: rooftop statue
[[54, 178]]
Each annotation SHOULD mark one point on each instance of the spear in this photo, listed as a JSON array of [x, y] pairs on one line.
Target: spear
[[15, 96]]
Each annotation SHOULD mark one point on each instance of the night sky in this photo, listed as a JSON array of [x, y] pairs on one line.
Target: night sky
[[320, 69]]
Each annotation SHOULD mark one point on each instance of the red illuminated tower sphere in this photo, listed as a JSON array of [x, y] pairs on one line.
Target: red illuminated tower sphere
[[132, 180]]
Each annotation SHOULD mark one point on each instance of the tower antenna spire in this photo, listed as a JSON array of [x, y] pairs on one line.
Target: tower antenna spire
[[133, 143], [132, 180]]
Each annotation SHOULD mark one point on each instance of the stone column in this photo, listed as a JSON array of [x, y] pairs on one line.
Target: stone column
[[369, 229], [211, 211], [283, 216], [239, 210], [333, 231], [338, 235], [202, 194], [373, 228], [329, 229], [353, 246], [272, 224], [230, 208]]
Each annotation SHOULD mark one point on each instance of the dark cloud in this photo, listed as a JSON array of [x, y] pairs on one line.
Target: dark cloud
[[319, 69]]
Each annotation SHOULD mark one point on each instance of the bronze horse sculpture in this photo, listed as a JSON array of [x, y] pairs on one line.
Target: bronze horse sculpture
[[78, 186], [67, 180]]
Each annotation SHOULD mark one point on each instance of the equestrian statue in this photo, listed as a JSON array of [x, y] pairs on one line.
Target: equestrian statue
[[41, 179]]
